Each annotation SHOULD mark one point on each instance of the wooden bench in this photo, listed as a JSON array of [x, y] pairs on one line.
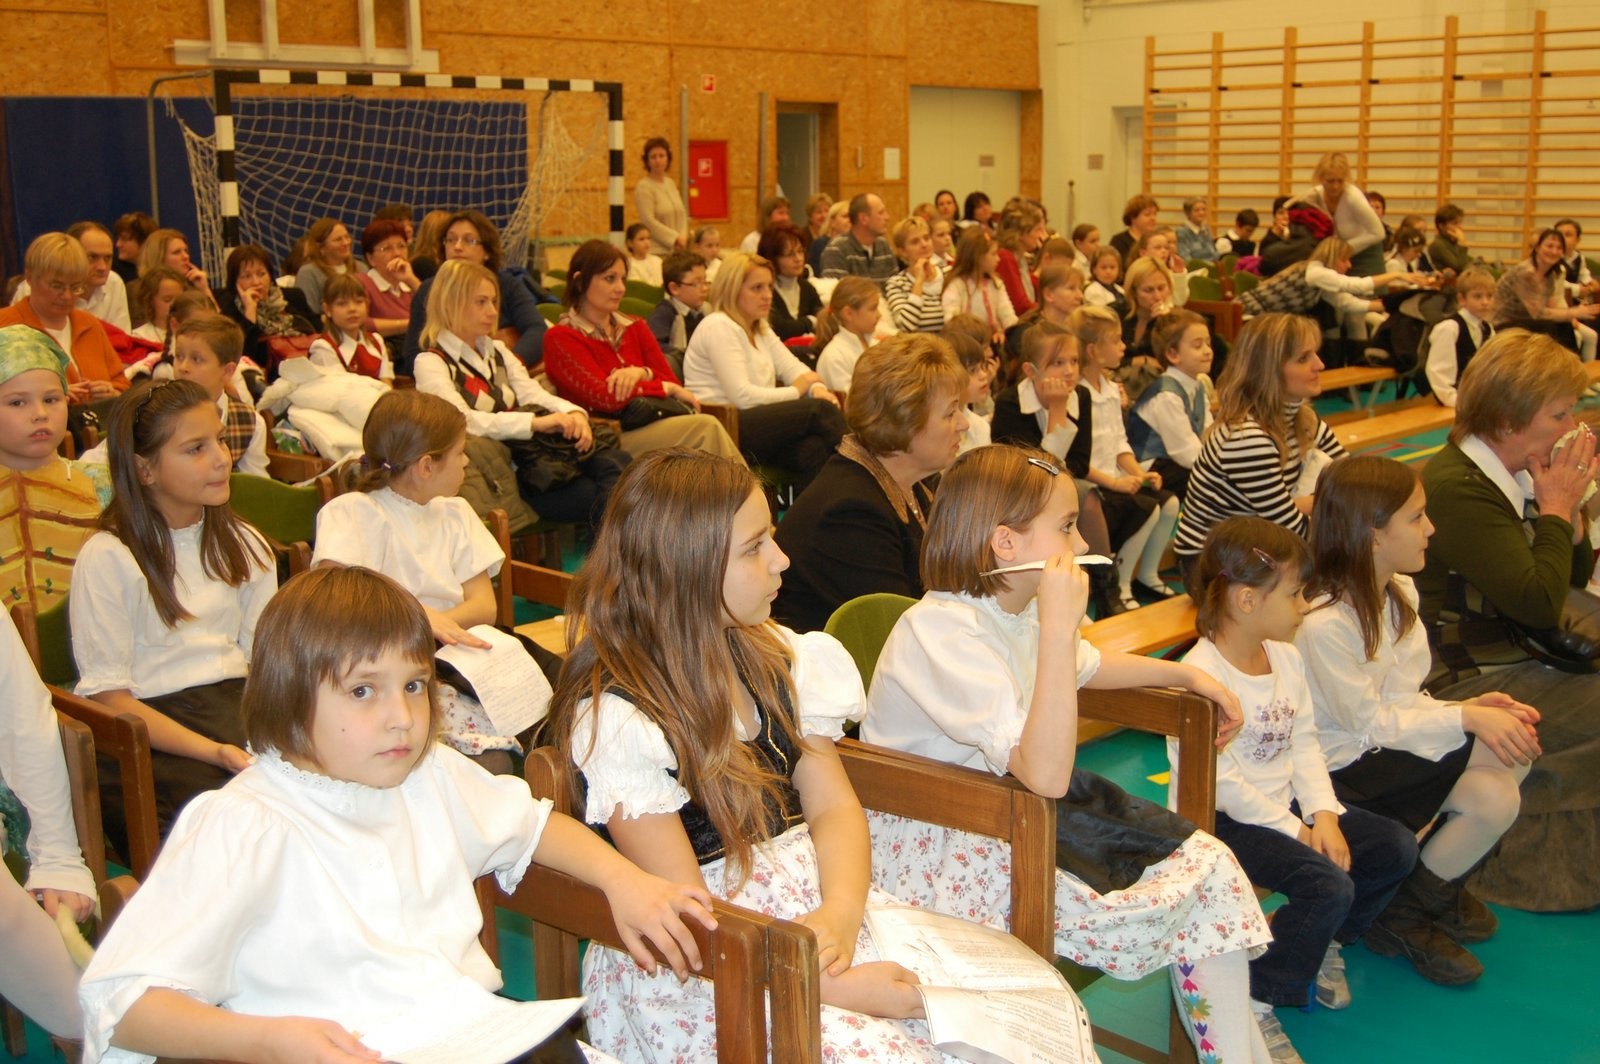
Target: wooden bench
[[1361, 413], [1366, 433], [1353, 378]]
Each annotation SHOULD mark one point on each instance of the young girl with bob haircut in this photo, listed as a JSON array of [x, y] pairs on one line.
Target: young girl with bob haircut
[[984, 672], [1391, 748], [845, 330], [165, 598], [351, 845], [1276, 807], [345, 342], [1262, 454], [703, 733], [464, 364], [787, 416], [970, 286]]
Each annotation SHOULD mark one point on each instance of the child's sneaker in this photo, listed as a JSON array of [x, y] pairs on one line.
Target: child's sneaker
[[1333, 991], [1279, 1047]]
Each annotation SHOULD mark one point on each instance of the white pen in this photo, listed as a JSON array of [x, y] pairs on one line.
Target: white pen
[[1027, 567]]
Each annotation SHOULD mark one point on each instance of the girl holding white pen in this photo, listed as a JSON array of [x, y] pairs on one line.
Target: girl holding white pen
[[984, 672]]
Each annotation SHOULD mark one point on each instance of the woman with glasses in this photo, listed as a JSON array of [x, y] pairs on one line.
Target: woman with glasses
[[57, 270], [469, 236], [390, 281]]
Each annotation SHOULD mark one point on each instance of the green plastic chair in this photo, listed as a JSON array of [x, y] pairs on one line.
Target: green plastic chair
[[282, 512], [551, 312], [1205, 288], [56, 664], [1243, 281], [1227, 264], [556, 288], [1201, 264], [649, 293], [554, 275], [863, 625], [636, 308]]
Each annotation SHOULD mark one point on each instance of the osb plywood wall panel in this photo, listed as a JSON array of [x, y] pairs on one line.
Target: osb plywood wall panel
[[861, 55]]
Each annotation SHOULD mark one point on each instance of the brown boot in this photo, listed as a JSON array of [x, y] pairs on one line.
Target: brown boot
[[1468, 920], [1410, 926]]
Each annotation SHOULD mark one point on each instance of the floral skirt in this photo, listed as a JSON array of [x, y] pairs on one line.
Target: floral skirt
[[1194, 904], [639, 1017]]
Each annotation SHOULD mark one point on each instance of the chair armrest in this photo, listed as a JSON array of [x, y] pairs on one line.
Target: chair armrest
[[124, 738], [969, 800], [1187, 717], [294, 468]]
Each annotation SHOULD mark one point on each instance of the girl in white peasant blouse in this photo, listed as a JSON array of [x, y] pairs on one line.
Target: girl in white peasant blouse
[[348, 926], [962, 679]]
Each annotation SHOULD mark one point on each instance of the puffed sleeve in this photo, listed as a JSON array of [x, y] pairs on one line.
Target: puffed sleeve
[[476, 550], [218, 839], [497, 821], [941, 679], [32, 766], [351, 531], [625, 761], [827, 684], [106, 583]]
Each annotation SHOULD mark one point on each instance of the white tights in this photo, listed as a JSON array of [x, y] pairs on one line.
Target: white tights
[[1140, 554], [1222, 984], [1478, 810], [37, 977]]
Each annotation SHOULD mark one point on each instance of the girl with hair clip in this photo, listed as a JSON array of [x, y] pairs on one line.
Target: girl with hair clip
[[344, 343], [1103, 288], [787, 416], [1021, 232], [165, 599], [970, 286], [1451, 769], [349, 927], [406, 521], [1276, 807], [845, 330], [984, 672], [703, 734], [39, 977], [464, 364], [1263, 453]]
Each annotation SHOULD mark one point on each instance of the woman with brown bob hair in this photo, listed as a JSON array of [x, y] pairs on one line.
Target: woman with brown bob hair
[[858, 528]]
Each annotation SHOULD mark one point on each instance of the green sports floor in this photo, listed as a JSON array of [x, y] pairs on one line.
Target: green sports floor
[[1536, 1002]]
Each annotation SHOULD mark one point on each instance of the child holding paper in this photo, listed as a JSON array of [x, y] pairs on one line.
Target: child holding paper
[[406, 521]]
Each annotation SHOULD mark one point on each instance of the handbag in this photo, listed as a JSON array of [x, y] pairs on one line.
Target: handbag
[[648, 409], [548, 460], [1573, 645]]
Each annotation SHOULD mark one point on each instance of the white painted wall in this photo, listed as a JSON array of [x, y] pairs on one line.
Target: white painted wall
[[1092, 63], [952, 130]]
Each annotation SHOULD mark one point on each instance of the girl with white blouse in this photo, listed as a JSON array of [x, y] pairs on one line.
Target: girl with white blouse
[[164, 601], [1392, 748], [984, 672], [735, 359], [348, 926], [463, 363], [38, 976], [406, 521]]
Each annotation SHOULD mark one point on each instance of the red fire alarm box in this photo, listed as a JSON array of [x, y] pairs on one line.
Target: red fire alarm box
[[707, 178]]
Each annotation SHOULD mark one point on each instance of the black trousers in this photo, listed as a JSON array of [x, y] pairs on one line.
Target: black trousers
[[798, 436]]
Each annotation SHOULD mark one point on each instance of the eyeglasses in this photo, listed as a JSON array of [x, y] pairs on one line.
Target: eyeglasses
[[392, 249], [462, 242], [61, 288]]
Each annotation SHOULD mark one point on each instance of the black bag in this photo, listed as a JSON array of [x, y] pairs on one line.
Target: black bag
[[1573, 645], [648, 409], [548, 460]]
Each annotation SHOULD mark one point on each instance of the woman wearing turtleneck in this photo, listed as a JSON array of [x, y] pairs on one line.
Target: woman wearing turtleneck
[[857, 529], [1262, 455], [795, 303]]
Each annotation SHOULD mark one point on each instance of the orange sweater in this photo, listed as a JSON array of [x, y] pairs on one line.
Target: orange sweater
[[94, 357]]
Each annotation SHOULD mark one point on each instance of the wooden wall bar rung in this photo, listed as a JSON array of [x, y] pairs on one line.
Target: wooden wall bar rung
[[1421, 137]]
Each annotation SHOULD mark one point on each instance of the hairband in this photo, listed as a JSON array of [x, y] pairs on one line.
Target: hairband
[[144, 400]]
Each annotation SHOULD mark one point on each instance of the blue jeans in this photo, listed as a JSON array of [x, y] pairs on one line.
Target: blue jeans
[[1325, 902]]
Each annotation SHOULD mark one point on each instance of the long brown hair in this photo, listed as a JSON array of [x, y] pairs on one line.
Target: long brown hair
[[1251, 388], [1251, 552], [649, 605], [141, 423], [1355, 498], [405, 425]]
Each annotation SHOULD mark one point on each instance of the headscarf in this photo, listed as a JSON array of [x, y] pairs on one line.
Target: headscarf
[[23, 348]]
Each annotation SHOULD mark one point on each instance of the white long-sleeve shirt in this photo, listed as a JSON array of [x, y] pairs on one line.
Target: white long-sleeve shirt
[[1355, 221], [985, 300], [723, 366], [517, 388], [1364, 705], [1165, 414], [1441, 365], [1276, 757], [1348, 294]]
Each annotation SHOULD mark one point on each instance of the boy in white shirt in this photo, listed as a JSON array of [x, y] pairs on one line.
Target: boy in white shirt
[[1454, 341], [1170, 419], [206, 351]]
